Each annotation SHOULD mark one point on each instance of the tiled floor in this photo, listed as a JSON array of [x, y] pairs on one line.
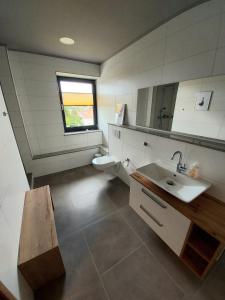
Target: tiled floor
[[109, 252]]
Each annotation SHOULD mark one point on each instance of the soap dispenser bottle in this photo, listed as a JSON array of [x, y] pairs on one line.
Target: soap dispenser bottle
[[194, 171]]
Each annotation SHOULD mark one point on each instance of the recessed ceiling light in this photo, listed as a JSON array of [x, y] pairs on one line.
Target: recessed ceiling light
[[66, 40]]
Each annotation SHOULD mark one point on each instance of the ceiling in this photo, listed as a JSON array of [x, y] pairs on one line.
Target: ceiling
[[100, 28]]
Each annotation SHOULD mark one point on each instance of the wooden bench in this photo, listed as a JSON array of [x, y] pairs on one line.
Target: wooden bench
[[39, 258], [5, 294]]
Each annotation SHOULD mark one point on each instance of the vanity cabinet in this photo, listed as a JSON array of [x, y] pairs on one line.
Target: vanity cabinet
[[194, 231], [170, 225]]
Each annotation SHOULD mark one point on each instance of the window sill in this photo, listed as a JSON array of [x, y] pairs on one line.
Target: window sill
[[82, 132]]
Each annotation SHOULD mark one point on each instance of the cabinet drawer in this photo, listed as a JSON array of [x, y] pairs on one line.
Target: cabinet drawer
[[153, 203], [177, 229], [154, 217], [139, 194], [167, 222], [135, 198], [152, 212]]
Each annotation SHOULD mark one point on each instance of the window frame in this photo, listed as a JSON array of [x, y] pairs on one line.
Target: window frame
[[78, 128]]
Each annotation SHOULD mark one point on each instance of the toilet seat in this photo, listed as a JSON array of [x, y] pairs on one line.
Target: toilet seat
[[103, 162]]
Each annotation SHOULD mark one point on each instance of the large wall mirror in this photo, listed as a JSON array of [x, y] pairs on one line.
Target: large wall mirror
[[193, 107]]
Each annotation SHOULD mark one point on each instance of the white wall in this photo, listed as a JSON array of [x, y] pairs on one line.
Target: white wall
[[209, 123], [60, 163], [13, 184], [192, 45], [13, 106], [37, 92]]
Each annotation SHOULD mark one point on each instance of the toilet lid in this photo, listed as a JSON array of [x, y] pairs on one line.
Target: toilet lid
[[104, 160]]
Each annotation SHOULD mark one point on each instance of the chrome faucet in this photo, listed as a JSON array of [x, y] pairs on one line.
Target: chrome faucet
[[181, 168]]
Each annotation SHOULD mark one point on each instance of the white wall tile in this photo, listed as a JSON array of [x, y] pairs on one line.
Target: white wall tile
[[188, 50], [43, 103], [223, 5], [162, 149], [38, 72], [20, 134], [11, 104], [137, 158], [222, 33], [59, 64], [13, 184], [63, 162], [130, 117], [94, 138], [212, 163], [81, 158], [20, 86], [7, 84], [115, 143], [133, 140], [192, 67], [4, 66], [49, 130], [219, 66], [195, 15], [195, 39], [51, 144], [16, 119], [76, 140], [34, 146], [11, 98], [37, 90], [16, 68], [45, 117]]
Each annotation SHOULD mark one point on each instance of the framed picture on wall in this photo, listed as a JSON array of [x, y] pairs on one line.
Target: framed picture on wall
[[119, 113]]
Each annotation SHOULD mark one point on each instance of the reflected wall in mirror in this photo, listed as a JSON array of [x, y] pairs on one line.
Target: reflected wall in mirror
[[195, 107]]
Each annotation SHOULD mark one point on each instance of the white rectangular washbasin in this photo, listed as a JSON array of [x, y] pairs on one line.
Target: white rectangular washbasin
[[181, 186]]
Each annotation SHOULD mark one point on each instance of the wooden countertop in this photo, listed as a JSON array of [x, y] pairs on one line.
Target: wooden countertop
[[205, 211], [38, 232]]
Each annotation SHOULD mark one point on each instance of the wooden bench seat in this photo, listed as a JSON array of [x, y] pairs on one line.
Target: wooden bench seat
[[39, 258]]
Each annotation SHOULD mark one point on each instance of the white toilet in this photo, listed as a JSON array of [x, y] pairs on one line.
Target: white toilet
[[104, 162]]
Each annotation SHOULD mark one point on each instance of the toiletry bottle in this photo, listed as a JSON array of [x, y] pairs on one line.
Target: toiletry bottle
[[194, 171]]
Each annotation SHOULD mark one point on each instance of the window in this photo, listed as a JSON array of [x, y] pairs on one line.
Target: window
[[78, 102]]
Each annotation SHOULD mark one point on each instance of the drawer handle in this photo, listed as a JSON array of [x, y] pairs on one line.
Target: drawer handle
[[152, 197], [150, 216]]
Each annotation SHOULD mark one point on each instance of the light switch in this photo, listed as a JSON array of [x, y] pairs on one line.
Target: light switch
[[203, 100]]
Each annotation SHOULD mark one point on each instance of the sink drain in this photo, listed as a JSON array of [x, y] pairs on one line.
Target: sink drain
[[170, 182]]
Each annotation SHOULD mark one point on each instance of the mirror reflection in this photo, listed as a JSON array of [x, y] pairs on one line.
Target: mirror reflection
[[195, 107]]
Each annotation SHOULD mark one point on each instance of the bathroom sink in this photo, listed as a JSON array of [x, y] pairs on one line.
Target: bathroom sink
[[181, 186]]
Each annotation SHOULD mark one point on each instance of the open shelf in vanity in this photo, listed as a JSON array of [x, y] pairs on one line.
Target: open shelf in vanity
[[199, 250], [199, 226], [194, 261]]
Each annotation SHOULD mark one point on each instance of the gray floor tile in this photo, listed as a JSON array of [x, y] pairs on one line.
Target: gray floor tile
[[140, 277], [64, 176], [110, 240], [80, 197], [81, 281], [118, 192], [187, 281], [213, 287], [81, 210], [96, 205], [78, 186]]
